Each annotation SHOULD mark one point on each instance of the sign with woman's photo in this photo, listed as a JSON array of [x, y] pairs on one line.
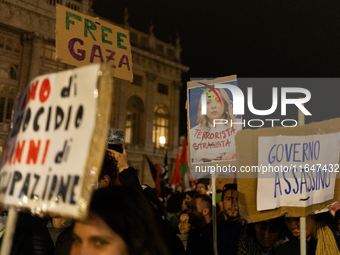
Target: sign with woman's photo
[[212, 124]]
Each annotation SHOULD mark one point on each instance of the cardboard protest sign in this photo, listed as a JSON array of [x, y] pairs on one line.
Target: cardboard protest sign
[[56, 146], [212, 124], [82, 39], [247, 146], [296, 170]]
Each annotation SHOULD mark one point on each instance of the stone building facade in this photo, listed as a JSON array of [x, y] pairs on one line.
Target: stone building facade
[[147, 109]]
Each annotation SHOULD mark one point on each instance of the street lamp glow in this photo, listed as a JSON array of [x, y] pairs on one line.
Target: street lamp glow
[[162, 140]]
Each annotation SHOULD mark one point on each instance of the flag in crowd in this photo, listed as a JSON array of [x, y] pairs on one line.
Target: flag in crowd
[[164, 174], [177, 174], [155, 173]]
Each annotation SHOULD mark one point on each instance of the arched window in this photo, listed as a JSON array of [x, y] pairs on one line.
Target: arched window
[[160, 126], [13, 73], [134, 125], [8, 72]]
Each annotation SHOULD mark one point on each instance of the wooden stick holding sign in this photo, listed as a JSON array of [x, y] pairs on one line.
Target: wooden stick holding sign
[[55, 149], [303, 239], [212, 126], [10, 231], [214, 212]]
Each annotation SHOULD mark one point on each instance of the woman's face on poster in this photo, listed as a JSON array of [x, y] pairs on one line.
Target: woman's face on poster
[[214, 111]]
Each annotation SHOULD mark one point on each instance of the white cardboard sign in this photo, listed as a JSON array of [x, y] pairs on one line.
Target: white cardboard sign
[[296, 171], [44, 161]]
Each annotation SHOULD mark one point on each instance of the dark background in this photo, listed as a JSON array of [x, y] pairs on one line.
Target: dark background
[[248, 38]]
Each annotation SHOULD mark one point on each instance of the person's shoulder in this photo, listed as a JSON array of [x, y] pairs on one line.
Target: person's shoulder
[[291, 247], [207, 229]]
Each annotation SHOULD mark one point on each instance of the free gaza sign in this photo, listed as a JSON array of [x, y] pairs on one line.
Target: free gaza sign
[[82, 39]]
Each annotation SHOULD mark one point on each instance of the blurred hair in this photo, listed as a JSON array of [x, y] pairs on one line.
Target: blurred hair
[[152, 196], [174, 204], [190, 193], [336, 220], [128, 213], [273, 225], [202, 182], [203, 120], [167, 192], [186, 211], [109, 168]]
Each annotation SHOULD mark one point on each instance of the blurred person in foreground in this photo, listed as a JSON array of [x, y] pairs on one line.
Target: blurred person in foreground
[[31, 236], [320, 238], [121, 222], [229, 228], [200, 239], [60, 228], [127, 177]]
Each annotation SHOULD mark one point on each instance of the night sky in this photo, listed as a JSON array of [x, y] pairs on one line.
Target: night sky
[[248, 38]]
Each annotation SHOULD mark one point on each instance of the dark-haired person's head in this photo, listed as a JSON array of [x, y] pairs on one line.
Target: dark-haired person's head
[[230, 202], [166, 195], [189, 194], [187, 198], [153, 199], [316, 228], [201, 187], [293, 224], [267, 233], [200, 210], [184, 225], [121, 222], [109, 171], [174, 204]]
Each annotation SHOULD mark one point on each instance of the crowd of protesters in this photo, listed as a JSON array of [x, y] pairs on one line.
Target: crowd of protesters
[[133, 219]]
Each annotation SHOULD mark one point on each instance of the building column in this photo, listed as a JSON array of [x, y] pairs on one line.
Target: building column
[[25, 61], [149, 112], [35, 57], [175, 113]]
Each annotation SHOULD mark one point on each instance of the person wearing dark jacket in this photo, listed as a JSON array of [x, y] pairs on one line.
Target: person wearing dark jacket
[[127, 177], [229, 229], [31, 237], [200, 239]]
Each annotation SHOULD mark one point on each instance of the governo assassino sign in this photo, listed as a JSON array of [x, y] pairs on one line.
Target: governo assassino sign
[[297, 171], [55, 148], [292, 171], [82, 40]]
